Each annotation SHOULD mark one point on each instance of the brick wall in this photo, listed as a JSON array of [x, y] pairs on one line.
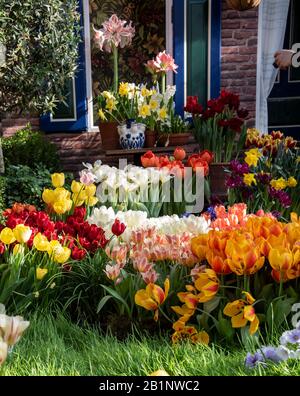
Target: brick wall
[[10, 125], [239, 55]]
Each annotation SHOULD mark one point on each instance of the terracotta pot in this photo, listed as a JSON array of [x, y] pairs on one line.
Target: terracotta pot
[[151, 138], [242, 5], [109, 135], [176, 139], [217, 179]]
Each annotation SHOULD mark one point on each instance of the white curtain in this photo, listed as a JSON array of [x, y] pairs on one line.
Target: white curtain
[[272, 23]]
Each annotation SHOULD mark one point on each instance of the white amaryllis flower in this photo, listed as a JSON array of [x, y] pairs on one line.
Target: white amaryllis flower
[[3, 352], [12, 328]]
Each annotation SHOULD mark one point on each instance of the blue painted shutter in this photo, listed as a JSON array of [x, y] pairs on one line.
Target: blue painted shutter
[[72, 117]]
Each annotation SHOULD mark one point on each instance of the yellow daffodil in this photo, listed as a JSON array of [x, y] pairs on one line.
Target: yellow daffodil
[[22, 233], [249, 179], [101, 115], [111, 104], [145, 92], [163, 114], [108, 95], [76, 187], [292, 182], [154, 104], [41, 273], [241, 312], [58, 180], [7, 236], [18, 249], [279, 184], [124, 89], [41, 243], [145, 111], [252, 157], [152, 297]]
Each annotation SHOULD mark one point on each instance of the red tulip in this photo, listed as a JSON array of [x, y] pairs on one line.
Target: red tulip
[[118, 228], [207, 156], [78, 254], [149, 160], [179, 154]]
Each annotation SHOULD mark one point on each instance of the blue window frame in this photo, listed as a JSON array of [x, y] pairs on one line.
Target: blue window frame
[[184, 32], [72, 116]]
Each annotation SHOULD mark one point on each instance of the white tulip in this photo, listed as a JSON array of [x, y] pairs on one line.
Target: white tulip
[[12, 328]]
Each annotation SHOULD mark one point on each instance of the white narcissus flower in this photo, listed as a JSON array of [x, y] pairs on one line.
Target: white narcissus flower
[[3, 352], [12, 328]]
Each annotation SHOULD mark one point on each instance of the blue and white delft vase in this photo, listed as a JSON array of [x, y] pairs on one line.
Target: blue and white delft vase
[[132, 135]]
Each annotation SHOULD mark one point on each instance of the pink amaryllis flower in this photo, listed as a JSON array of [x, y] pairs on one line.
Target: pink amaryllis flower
[[163, 63], [114, 33]]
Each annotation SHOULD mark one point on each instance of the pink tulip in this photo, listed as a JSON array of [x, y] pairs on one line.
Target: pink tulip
[[112, 272], [87, 178], [12, 328], [150, 277]]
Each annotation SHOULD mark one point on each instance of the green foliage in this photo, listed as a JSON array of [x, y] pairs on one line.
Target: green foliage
[[41, 39], [31, 148], [25, 185]]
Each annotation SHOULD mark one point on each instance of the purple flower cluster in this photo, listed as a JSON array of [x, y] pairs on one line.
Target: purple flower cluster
[[289, 349], [282, 196], [264, 178], [238, 168]]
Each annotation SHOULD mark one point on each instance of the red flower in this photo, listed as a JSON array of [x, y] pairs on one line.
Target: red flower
[[193, 106], [84, 243], [235, 124], [230, 99], [2, 248], [198, 164], [118, 228], [163, 161], [243, 113], [149, 160], [78, 254], [179, 154], [207, 156]]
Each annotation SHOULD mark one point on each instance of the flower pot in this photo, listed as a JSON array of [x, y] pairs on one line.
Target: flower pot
[[109, 135], [132, 135], [218, 179], [151, 138], [176, 139], [242, 5]]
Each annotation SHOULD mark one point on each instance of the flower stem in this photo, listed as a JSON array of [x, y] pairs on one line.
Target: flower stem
[[116, 68], [163, 83]]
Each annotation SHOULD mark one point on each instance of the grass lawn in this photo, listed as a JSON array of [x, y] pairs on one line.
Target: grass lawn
[[56, 347]]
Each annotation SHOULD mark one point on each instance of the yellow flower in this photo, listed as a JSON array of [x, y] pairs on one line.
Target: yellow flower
[[111, 104], [108, 95], [62, 207], [154, 105], [145, 111], [252, 157], [101, 115], [279, 184], [79, 198], [241, 312], [90, 190], [48, 196], [41, 273], [18, 249], [145, 92], [61, 194], [292, 182], [59, 253], [163, 113], [58, 180], [7, 236], [76, 186], [159, 373], [124, 89], [22, 233], [41, 243], [249, 179], [91, 201]]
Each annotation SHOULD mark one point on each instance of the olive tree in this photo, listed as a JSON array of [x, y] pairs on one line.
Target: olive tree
[[40, 41]]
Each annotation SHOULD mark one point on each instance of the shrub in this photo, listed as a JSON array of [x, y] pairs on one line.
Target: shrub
[[41, 40], [30, 148]]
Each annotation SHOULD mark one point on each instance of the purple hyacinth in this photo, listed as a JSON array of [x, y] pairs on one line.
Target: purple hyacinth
[[212, 212], [238, 168], [264, 178], [284, 199], [252, 361], [234, 181]]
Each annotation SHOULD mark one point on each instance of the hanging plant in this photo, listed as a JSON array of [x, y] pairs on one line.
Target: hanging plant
[[242, 5]]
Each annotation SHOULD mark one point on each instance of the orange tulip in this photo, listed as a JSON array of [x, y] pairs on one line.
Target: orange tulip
[[218, 263], [152, 297], [281, 259], [208, 285], [200, 246]]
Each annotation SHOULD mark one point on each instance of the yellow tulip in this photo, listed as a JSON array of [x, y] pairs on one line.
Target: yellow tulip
[[18, 249], [41, 273], [152, 297], [7, 236], [200, 246], [22, 233], [48, 196], [281, 259], [41, 243], [91, 201], [62, 207], [59, 253], [208, 285], [76, 187], [58, 180], [61, 194], [90, 190]]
